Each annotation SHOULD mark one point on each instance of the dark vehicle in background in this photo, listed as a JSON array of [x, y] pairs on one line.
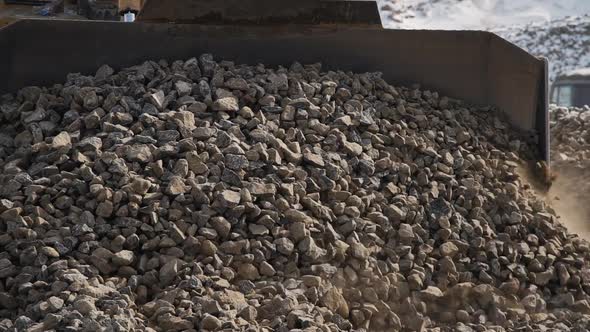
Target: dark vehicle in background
[[572, 89]]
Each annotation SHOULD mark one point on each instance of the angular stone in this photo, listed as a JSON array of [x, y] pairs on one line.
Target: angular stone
[[141, 153], [183, 88], [229, 198], [55, 303], [176, 186], [84, 305], [62, 141], [262, 189], [258, 230], [227, 104], [449, 249], [353, 149], [285, 246], [168, 272], [334, 301], [267, 269], [248, 271], [140, 186], [123, 258], [314, 159], [210, 323], [105, 209], [157, 99]]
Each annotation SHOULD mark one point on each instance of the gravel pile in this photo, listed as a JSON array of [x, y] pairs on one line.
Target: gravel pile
[[570, 136], [210, 196]]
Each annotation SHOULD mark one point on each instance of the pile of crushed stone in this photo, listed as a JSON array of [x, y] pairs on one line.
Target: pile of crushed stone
[[210, 196]]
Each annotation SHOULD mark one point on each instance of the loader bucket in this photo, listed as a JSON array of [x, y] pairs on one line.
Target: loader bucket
[[475, 66]]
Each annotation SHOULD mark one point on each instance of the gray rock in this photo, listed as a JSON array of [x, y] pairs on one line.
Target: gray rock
[[227, 104], [123, 258], [183, 88], [258, 230], [210, 323], [104, 72], [314, 159], [140, 152], [449, 249], [262, 189], [285, 246], [236, 83], [249, 313], [85, 305], [229, 198], [236, 162], [168, 272], [62, 141], [170, 322], [267, 269], [334, 301], [54, 304], [140, 186], [248, 271], [176, 186], [157, 99], [105, 209]]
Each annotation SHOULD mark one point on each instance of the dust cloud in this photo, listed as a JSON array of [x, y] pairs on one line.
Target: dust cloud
[[568, 195], [570, 199]]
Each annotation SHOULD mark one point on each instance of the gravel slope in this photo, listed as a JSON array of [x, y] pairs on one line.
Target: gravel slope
[[205, 195]]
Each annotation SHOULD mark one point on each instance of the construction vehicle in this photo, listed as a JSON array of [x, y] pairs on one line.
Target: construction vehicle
[[115, 10], [572, 89], [476, 66], [109, 9]]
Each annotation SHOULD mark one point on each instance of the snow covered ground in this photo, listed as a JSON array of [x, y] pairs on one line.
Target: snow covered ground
[[476, 14], [565, 42], [556, 29]]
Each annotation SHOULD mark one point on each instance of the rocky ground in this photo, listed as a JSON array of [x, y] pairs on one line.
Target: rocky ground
[[210, 196], [570, 130]]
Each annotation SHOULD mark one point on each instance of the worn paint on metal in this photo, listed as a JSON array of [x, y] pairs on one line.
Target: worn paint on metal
[[261, 12]]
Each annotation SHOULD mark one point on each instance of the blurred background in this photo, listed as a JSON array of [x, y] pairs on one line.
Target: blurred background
[[556, 29]]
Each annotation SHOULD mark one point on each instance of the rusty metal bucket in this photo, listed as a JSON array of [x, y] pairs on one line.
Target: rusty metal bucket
[[476, 66]]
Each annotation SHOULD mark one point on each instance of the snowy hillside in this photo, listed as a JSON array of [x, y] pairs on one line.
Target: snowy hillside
[[565, 42], [556, 29], [475, 14]]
